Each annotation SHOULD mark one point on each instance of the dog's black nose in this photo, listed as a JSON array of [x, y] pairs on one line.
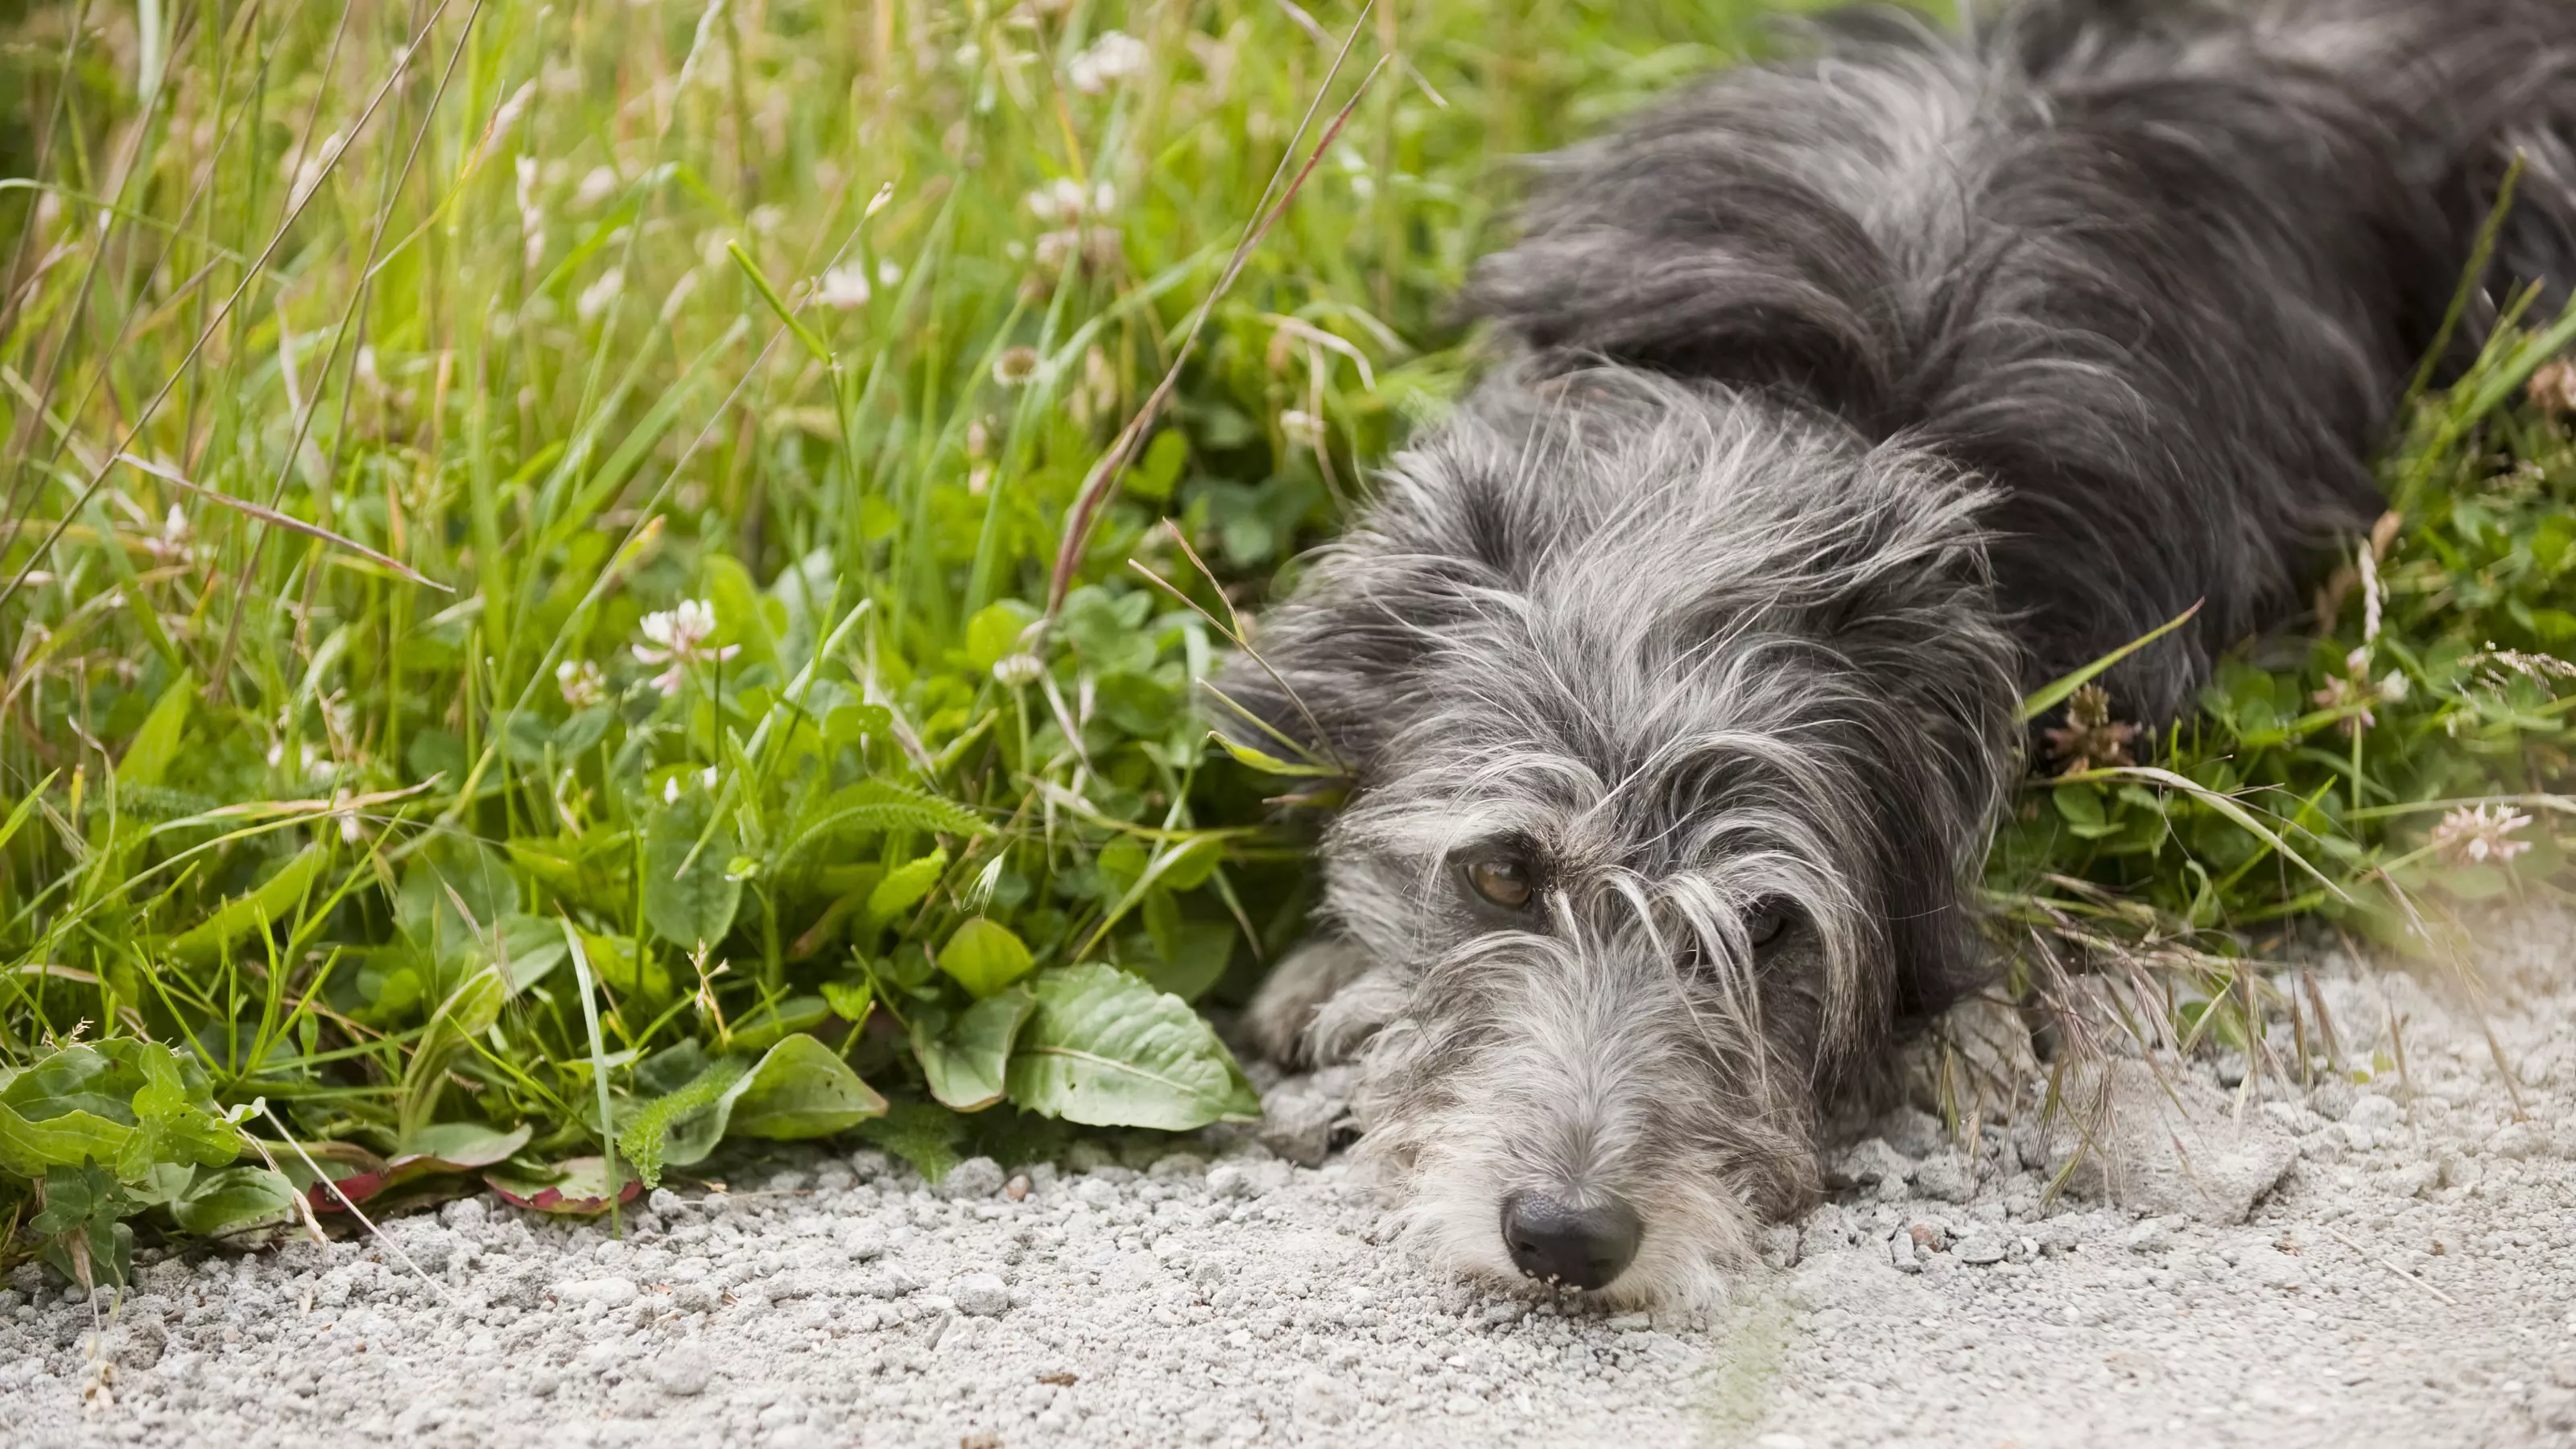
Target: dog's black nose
[[1579, 1247]]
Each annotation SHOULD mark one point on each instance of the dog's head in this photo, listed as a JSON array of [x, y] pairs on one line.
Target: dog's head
[[1676, 717]]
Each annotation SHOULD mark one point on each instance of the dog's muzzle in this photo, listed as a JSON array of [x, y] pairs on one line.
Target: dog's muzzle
[[1579, 1247]]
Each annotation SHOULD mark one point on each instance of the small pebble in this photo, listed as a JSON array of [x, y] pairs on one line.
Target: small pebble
[[980, 1295]]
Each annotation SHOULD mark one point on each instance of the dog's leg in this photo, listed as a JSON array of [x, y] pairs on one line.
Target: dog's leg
[[1296, 994]]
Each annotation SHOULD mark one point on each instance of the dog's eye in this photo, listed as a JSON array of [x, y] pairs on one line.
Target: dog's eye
[[1765, 923], [1503, 880]]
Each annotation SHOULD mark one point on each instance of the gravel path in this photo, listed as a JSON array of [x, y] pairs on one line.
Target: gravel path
[[2408, 1279]]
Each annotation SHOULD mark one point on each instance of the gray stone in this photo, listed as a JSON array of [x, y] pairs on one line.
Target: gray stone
[[682, 1375], [1980, 1249], [975, 1177], [1780, 1245], [1913, 1131], [2378, 1113], [1945, 1177], [2165, 1145], [980, 1295], [1867, 1163]]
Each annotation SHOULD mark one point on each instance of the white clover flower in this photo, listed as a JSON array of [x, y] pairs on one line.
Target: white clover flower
[[888, 273], [1058, 200], [1065, 200], [707, 778], [1114, 57], [671, 791], [172, 545], [2471, 836], [843, 289], [679, 640], [1018, 670], [1015, 366], [582, 683]]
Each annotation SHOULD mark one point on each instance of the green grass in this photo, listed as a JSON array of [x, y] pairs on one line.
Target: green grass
[[337, 801]]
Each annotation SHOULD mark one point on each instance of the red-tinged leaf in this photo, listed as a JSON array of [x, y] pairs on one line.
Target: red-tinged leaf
[[581, 1189], [447, 1147]]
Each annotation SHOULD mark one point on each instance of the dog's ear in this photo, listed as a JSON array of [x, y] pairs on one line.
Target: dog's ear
[[1914, 612], [1334, 667]]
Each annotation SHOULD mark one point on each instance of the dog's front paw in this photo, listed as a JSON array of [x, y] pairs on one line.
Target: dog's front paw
[[1298, 987]]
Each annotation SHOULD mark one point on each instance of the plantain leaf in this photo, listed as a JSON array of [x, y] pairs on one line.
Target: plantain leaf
[[234, 1200], [800, 1088], [695, 905], [1106, 1049], [966, 1063], [985, 957]]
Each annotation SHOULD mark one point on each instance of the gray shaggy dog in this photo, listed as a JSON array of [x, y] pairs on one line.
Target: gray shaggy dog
[[1678, 673]]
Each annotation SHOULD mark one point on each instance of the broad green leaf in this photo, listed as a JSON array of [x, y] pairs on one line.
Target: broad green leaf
[[172, 1124], [687, 908], [994, 633], [847, 724], [271, 902], [742, 611], [585, 729], [2081, 807], [1188, 865], [1155, 474], [578, 1188], [1105, 1049], [965, 1064], [762, 1029], [985, 956], [905, 885], [800, 1089], [86, 1242], [529, 948], [850, 1000], [234, 1200], [147, 760], [1190, 956], [28, 1148], [466, 1144], [627, 969], [468, 1012], [94, 1079], [797, 1089]]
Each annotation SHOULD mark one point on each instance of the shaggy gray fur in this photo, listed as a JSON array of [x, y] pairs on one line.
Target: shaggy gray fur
[[1860, 394]]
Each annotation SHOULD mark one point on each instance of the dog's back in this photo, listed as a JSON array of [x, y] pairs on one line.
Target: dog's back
[[2157, 269]]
